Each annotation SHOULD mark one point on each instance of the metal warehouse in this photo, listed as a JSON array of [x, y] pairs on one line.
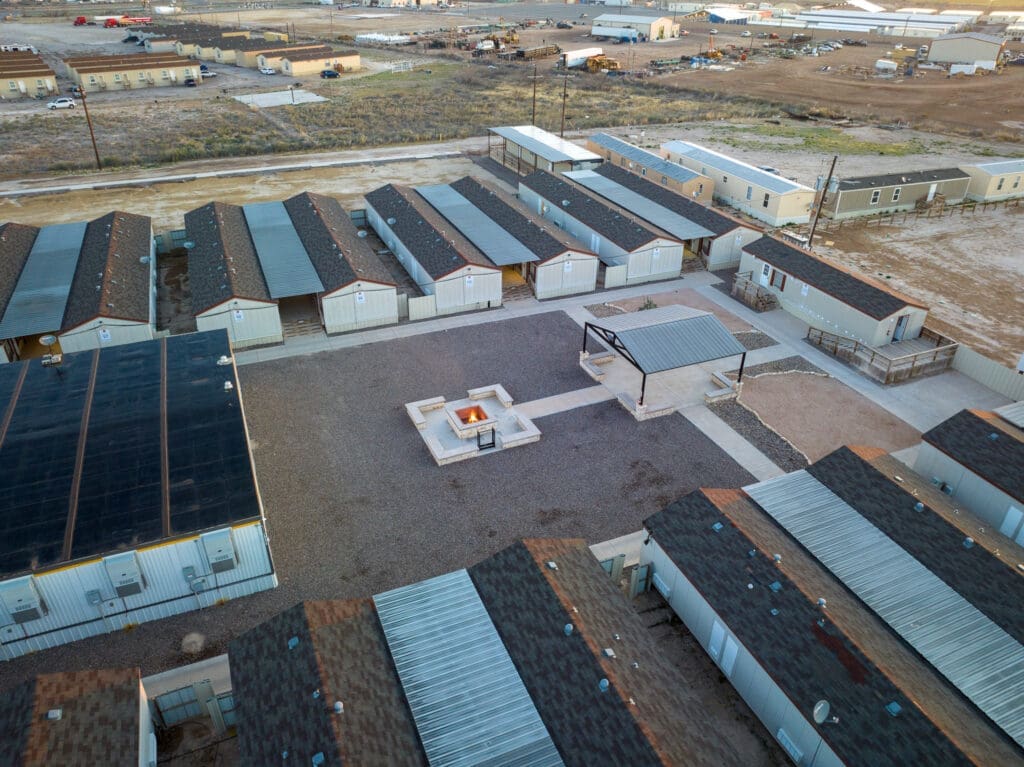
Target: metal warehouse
[[759, 193], [525, 246], [893, 192], [646, 27], [652, 166], [76, 286], [966, 48], [266, 269], [631, 251], [526, 148], [149, 506], [717, 239]]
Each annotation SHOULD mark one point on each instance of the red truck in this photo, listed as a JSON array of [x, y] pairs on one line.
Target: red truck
[[114, 21]]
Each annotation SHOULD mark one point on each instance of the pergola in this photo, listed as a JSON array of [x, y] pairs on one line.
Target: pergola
[[670, 337]]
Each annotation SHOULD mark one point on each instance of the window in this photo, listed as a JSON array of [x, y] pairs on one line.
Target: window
[[165, 75], [896, 194], [725, 179], [92, 79], [664, 180], [764, 203], [1016, 182], [750, 192], [142, 75], [12, 85], [778, 279], [117, 77], [643, 171], [875, 195], [766, 270], [39, 83], [999, 186], [622, 162], [700, 189]]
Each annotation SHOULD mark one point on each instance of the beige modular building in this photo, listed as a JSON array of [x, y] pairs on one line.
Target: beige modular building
[[991, 181], [142, 70], [248, 52], [526, 148], [647, 27], [24, 74], [759, 193], [830, 298], [272, 59], [966, 48], [893, 192], [311, 63], [653, 167]]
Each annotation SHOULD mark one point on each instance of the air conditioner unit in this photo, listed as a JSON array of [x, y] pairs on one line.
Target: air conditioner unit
[[124, 573], [22, 600], [220, 550], [661, 586]]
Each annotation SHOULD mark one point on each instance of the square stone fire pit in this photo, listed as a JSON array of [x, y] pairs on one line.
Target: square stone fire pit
[[468, 422]]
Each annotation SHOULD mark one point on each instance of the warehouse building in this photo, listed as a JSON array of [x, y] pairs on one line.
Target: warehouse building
[[652, 167], [256, 268], [893, 24], [789, 661], [513, 238], [24, 74], [526, 678], [977, 457], [140, 70], [894, 192], [715, 238], [992, 181], [828, 297], [311, 63], [647, 27], [79, 286], [967, 48], [72, 718], [526, 148], [759, 193], [150, 506], [447, 267], [631, 251]]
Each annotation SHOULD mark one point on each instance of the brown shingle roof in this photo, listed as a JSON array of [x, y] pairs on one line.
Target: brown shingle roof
[[16, 242], [313, 55], [99, 721]]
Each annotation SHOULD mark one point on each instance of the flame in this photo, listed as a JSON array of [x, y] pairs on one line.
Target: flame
[[472, 417]]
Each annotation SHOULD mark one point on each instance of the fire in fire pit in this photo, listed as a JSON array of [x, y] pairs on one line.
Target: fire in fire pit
[[472, 414]]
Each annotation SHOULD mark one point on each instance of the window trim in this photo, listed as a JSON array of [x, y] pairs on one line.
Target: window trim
[[876, 195], [896, 193]]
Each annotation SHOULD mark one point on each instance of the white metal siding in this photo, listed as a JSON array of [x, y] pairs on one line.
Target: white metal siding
[[553, 280], [92, 334], [725, 250], [258, 324], [360, 305]]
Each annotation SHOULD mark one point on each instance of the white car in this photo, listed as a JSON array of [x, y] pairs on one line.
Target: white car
[[62, 103], [268, 71], [745, 33]]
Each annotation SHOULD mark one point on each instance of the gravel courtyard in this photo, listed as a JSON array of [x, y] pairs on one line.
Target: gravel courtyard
[[355, 505]]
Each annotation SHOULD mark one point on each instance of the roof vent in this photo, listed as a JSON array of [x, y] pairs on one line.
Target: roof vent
[[822, 603], [777, 558], [603, 685], [774, 611], [228, 386], [608, 652], [552, 564], [616, 637], [775, 586], [918, 506], [717, 526], [968, 542], [293, 642], [339, 707], [316, 693], [750, 586], [318, 758], [752, 553], [634, 664], [54, 714], [565, 203], [224, 360], [893, 708], [568, 629], [993, 436]]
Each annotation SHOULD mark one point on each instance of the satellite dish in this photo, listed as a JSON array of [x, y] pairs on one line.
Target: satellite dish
[[47, 340], [821, 711]]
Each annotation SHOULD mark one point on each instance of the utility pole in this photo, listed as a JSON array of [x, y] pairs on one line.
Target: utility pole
[[821, 203], [533, 114], [565, 97], [92, 135]]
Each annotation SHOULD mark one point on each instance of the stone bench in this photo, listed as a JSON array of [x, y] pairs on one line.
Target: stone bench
[[416, 410], [526, 433], [444, 456], [497, 391], [645, 411], [725, 389]]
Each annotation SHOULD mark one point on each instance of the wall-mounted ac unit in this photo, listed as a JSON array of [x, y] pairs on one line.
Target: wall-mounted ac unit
[[661, 586], [220, 550], [22, 600], [124, 573]]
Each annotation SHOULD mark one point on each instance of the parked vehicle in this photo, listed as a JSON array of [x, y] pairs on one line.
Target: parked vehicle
[[713, 32], [268, 71], [563, 25], [745, 33], [203, 68], [329, 74], [207, 74], [64, 102], [190, 82]]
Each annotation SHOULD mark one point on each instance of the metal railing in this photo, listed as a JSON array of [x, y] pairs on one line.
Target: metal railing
[[883, 366]]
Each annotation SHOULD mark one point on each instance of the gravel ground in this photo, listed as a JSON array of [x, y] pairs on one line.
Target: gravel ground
[[355, 505], [604, 310], [749, 426], [755, 339], [794, 364]]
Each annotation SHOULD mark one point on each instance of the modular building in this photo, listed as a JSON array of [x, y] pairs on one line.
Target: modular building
[[513, 238], [893, 192], [526, 148], [640, 252], [150, 506], [715, 238], [442, 262], [966, 48], [272, 59], [647, 27], [992, 181], [87, 284], [247, 53], [760, 194], [785, 656], [141, 70], [25, 74], [311, 63], [550, 666], [977, 458], [830, 298], [652, 167], [254, 269]]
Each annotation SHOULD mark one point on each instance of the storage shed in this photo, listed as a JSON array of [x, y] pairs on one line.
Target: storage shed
[[966, 48], [525, 148], [761, 194], [652, 167], [258, 269], [716, 238], [893, 192], [631, 251], [512, 237], [90, 284], [830, 298], [977, 457], [793, 666], [992, 181], [443, 263], [150, 506], [647, 27]]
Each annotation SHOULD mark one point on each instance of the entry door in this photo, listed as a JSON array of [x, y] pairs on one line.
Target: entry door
[[901, 327], [931, 192], [1010, 521]]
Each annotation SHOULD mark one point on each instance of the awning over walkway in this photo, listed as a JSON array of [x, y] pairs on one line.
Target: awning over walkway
[[666, 338]]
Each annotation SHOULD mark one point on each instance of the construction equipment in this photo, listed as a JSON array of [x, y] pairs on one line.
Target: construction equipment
[[538, 52], [602, 63]]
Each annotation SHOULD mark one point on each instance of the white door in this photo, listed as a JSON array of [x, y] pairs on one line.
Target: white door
[[717, 635], [766, 270], [901, 327], [729, 656], [931, 192], [1010, 521]]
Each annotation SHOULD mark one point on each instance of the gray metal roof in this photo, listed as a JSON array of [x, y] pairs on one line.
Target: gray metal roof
[[467, 699], [671, 337], [645, 158], [971, 651], [496, 243], [639, 205], [999, 167], [1013, 413], [283, 258], [546, 145], [41, 295], [721, 162]]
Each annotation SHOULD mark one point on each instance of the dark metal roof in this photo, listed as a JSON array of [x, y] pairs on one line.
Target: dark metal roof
[[644, 158], [339, 650], [809, 658], [853, 290], [222, 263], [118, 486], [607, 219], [99, 721], [986, 446], [710, 219], [437, 246], [286, 266], [339, 255], [902, 179], [327, 53], [113, 276], [15, 244]]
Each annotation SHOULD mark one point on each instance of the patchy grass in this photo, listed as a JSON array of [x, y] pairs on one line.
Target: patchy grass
[[814, 139]]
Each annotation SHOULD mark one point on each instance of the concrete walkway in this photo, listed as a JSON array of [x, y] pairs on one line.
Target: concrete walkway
[[559, 403]]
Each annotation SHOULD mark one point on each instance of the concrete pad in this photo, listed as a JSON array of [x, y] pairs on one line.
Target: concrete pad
[[279, 98], [629, 545]]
